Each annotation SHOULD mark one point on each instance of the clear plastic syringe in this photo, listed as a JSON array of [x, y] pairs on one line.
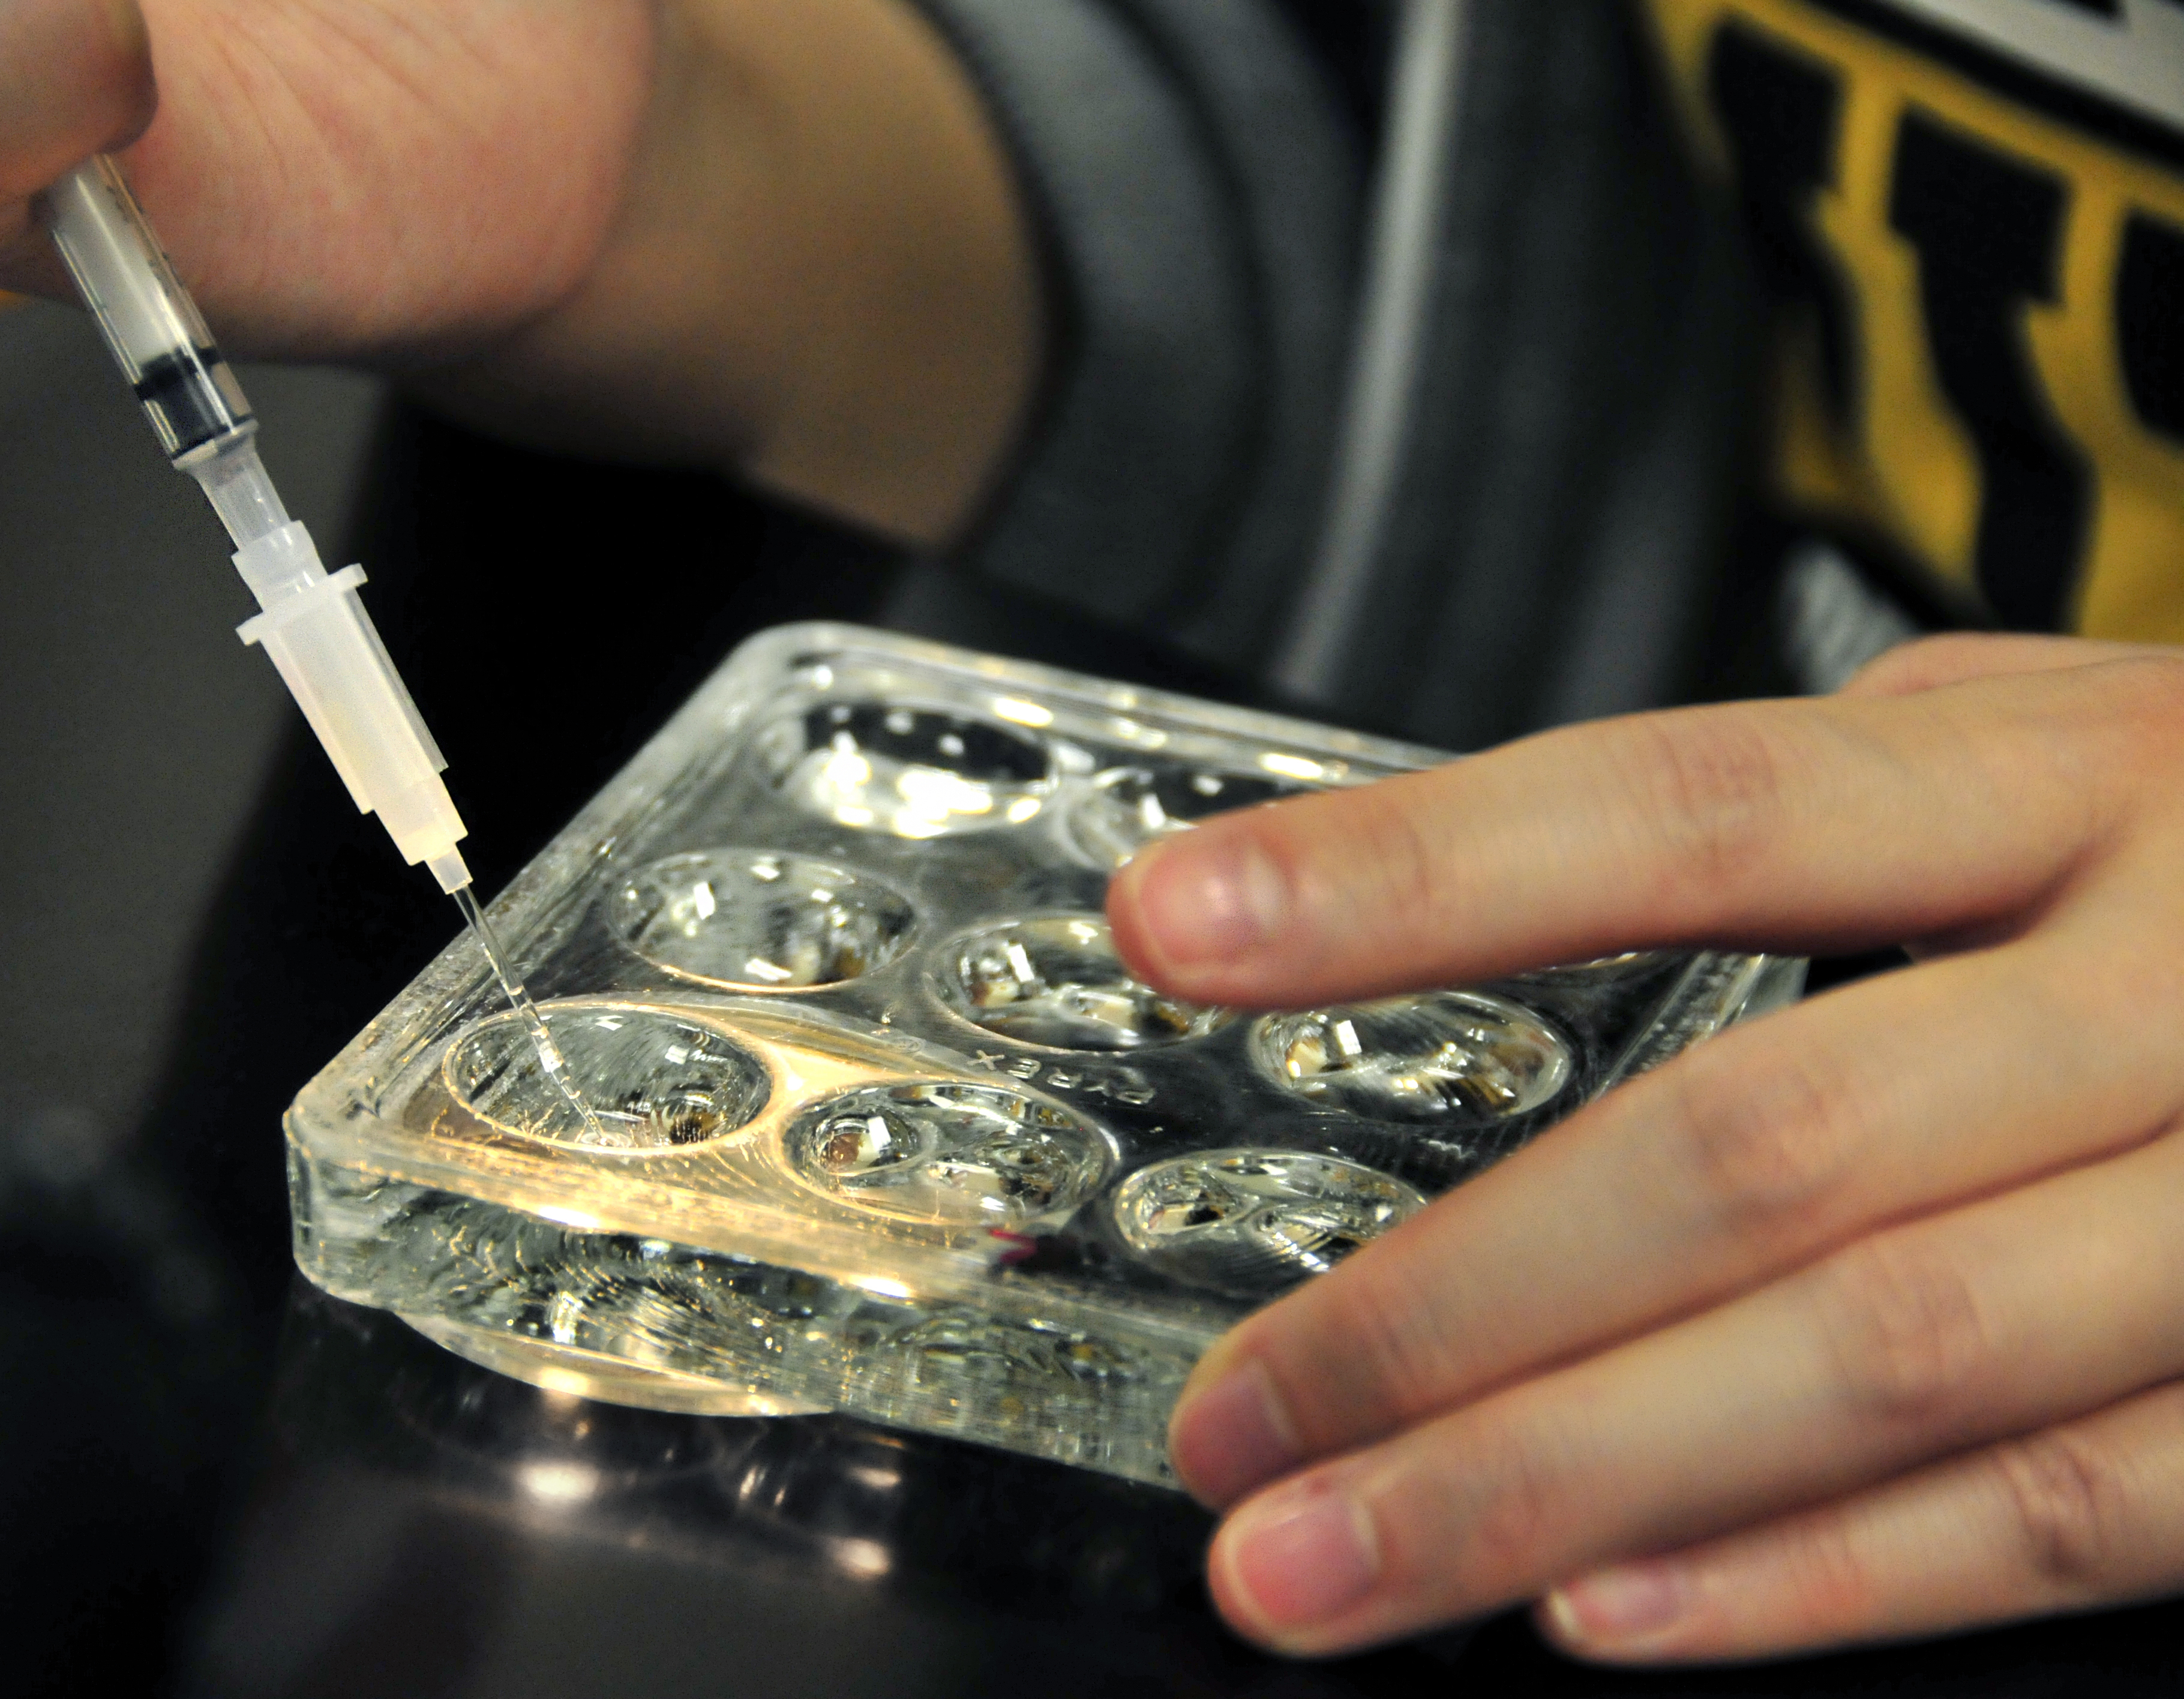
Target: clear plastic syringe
[[311, 622]]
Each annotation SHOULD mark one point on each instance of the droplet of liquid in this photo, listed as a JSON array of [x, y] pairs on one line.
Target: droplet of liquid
[[626, 1078], [756, 920], [1449, 1055], [1058, 981], [962, 1155], [1249, 1221]]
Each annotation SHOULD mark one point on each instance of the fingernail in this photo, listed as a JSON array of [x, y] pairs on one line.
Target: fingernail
[[1211, 899], [1614, 1607], [1302, 1558], [1233, 1436]]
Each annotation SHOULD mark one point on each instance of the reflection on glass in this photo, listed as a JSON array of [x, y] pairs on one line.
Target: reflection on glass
[[966, 1155], [1447, 1056], [1249, 1222], [963, 1346], [556, 1481], [1058, 981], [1128, 808], [1600, 969], [651, 1081], [756, 920], [913, 773]]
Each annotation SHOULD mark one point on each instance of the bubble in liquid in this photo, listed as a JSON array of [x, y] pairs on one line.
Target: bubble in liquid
[[957, 1154], [1058, 981], [1449, 1055], [651, 1081], [1249, 1221], [912, 773], [1127, 808], [755, 920]]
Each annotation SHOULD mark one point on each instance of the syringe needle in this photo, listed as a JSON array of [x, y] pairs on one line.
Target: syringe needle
[[549, 1053]]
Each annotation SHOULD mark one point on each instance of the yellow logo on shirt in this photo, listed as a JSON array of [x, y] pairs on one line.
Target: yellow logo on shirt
[[1986, 369]]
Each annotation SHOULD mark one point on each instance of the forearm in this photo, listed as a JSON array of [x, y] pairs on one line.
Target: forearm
[[820, 277]]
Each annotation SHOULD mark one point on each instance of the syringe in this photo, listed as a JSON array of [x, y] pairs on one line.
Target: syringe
[[312, 624]]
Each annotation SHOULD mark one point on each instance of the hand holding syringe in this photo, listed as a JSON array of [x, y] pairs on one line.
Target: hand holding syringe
[[310, 623]]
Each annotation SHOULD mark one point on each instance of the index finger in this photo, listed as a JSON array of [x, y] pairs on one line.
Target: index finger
[[1802, 825]]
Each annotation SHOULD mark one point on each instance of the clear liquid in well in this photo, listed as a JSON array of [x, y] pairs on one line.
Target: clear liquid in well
[[1449, 1055], [551, 1062], [758, 920], [629, 1079], [1251, 1220], [1057, 981], [1128, 808], [912, 772], [965, 1154]]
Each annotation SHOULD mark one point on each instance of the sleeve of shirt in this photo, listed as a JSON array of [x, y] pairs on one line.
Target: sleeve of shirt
[[1195, 181]]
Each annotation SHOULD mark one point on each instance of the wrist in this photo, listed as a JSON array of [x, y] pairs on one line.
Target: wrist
[[820, 278]]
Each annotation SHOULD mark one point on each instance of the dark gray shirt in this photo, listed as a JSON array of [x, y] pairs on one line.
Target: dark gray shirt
[[1199, 178]]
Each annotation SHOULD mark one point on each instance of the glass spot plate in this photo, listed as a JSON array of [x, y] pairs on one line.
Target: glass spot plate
[[855, 1107]]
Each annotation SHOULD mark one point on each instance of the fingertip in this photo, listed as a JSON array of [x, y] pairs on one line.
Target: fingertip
[[1231, 1433], [1126, 924], [1558, 1625], [1630, 1613], [1292, 1568], [1232, 1598], [1189, 915]]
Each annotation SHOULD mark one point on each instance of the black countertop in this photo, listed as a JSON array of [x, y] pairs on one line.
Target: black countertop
[[416, 1526]]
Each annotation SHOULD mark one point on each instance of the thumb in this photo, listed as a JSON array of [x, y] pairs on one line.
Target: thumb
[[75, 79]]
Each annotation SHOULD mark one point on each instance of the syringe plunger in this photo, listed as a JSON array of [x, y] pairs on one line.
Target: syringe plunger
[[152, 328]]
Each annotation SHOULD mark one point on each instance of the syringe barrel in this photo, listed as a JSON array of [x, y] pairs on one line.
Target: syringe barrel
[[150, 324]]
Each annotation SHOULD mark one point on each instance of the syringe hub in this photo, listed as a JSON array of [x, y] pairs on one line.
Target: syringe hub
[[319, 636]]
